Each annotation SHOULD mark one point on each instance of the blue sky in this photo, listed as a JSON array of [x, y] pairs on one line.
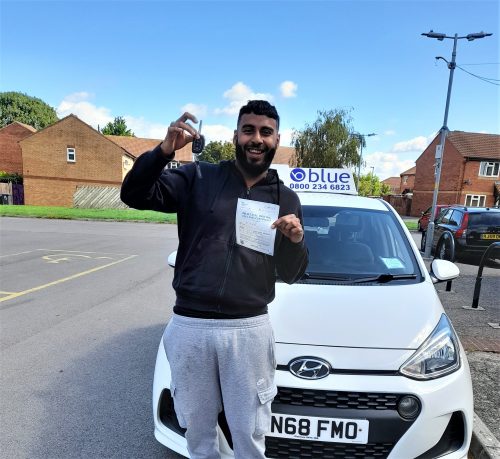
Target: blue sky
[[150, 60]]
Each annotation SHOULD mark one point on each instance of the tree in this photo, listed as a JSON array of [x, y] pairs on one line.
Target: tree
[[328, 142], [16, 106], [215, 152], [117, 127], [370, 185]]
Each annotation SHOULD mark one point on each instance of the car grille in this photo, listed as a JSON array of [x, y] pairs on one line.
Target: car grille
[[336, 399], [295, 449]]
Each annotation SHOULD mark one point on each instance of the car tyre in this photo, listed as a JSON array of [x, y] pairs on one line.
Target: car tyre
[[443, 250]]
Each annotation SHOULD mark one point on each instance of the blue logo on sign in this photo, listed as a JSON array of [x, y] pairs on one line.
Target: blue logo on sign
[[298, 175]]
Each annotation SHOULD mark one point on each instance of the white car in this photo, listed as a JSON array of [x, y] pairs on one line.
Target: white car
[[369, 365]]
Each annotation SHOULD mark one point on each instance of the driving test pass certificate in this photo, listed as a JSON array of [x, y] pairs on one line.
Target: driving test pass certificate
[[253, 225]]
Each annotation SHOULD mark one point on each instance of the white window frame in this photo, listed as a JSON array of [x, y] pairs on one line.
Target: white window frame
[[489, 166], [475, 200], [71, 154], [173, 165]]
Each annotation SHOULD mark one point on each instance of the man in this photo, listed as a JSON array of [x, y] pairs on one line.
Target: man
[[219, 342]]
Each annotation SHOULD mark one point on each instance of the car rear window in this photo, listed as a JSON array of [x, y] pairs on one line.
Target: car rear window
[[484, 219], [356, 242]]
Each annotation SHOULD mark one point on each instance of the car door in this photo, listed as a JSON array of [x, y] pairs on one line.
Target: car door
[[442, 225]]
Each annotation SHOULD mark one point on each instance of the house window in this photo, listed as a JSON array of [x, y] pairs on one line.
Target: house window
[[405, 179], [475, 200], [173, 165], [71, 155], [489, 169]]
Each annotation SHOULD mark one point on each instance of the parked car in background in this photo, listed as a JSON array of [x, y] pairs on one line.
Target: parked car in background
[[368, 363], [473, 229], [423, 222]]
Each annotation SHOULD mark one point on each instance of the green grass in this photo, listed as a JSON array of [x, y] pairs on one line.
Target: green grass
[[120, 215], [412, 225]]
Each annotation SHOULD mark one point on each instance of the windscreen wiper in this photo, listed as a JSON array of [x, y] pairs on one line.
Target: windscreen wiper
[[384, 278], [325, 276]]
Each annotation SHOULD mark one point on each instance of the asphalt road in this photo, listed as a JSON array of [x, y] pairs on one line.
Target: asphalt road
[[82, 310]]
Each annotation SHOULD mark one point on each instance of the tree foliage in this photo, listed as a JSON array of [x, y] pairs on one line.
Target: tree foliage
[[214, 152], [117, 127], [328, 142], [16, 106], [370, 185]]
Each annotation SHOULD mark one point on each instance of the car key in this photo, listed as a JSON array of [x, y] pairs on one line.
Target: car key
[[197, 148]]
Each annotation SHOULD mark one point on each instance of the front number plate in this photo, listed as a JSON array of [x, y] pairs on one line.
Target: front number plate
[[320, 429]]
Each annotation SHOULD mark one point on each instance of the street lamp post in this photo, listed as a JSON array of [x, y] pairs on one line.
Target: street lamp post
[[444, 129], [361, 138], [371, 181]]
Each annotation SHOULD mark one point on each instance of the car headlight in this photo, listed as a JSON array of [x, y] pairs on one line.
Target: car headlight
[[438, 356]]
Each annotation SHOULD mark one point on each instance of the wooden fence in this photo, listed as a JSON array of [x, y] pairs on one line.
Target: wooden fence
[[98, 197]]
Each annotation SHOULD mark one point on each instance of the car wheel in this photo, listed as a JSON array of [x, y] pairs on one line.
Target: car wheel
[[441, 251], [423, 241]]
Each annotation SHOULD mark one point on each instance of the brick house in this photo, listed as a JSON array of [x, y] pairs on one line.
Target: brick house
[[394, 183], [11, 157], [65, 155], [69, 155], [407, 180], [469, 175]]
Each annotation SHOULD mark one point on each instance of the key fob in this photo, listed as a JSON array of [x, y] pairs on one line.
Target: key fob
[[198, 145]]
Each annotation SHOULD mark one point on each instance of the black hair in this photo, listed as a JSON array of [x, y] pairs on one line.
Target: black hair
[[260, 107]]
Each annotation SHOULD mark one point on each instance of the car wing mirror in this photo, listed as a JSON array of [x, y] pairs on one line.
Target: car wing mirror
[[171, 259], [443, 271]]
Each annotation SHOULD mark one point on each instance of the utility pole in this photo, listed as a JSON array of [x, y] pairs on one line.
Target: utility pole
[[444, 129], [371, 181], [361, 138]]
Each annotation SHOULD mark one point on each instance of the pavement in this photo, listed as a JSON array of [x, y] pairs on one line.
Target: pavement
[[479, 332]]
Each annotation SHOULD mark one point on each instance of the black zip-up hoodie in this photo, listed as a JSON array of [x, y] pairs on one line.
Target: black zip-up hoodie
[[215, 277]]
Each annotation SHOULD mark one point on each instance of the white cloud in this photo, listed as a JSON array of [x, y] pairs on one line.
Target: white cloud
[[238, 95], [286, 137], [288, 89], [416, 144], [213, 132], [386, 164], [146, 129], [196, 109], [78, 104], [390, 132]]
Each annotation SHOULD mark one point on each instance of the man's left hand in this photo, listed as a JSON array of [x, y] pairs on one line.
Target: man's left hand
[[290, 226]]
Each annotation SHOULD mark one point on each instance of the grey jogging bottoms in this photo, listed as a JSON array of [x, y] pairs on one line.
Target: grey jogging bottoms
[[222, 364]]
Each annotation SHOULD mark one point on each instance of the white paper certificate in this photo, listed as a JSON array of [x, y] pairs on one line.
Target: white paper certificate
[[253, 225]]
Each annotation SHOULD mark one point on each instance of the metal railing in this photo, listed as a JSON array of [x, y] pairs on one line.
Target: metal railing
[[479, 277]]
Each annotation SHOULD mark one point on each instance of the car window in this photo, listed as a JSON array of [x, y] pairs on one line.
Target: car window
[[356, 242], [456, 218], [445, 216], [489, 219]]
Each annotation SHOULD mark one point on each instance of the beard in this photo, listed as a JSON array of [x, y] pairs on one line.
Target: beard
[[251, 167]]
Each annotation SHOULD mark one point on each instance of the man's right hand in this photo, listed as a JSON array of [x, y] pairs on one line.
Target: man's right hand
[[179, 134]]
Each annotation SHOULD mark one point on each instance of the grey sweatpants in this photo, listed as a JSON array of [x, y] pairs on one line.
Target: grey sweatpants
[[218, 364]]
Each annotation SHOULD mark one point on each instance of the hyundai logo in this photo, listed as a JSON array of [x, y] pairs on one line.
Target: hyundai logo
[[309, 368]]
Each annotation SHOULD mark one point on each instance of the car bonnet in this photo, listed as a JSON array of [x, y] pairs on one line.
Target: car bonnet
[[367, 316]]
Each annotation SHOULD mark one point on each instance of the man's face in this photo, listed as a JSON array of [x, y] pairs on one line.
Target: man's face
[[256, 141]]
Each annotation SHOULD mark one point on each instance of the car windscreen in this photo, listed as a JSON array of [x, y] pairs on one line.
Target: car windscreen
[[485, 219], [356, 243]]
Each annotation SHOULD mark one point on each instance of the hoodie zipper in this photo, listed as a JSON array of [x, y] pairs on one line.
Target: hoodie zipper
[[229, 257]]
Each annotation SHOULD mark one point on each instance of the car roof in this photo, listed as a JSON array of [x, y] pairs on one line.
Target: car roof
[[341, 200], [477, 209]]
